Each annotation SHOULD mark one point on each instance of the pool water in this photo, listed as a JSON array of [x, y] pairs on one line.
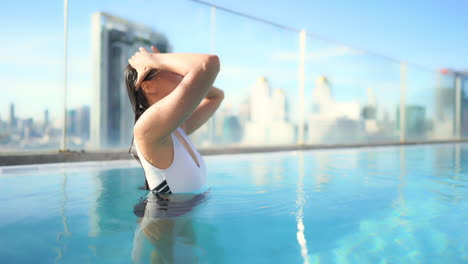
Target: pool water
[[364, 205]]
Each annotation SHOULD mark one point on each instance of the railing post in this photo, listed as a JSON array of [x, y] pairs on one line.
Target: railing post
[[302, 54], [212, 122], [65, 71], [457, 107], [213, 30], [402, 116]]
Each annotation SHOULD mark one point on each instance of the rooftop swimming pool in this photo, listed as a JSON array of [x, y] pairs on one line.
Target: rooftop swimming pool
[[363, 205]]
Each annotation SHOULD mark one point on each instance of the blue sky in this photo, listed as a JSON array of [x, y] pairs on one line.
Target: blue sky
[[429, 33]]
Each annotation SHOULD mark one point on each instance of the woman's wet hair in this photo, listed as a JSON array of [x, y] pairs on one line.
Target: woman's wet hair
[[139, 105], [137, 98]]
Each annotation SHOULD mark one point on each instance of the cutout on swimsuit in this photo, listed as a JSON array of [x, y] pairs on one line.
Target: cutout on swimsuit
[[187, 147]]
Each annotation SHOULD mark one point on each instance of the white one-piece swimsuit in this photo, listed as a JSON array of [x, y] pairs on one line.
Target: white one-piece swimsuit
[[183, 175]]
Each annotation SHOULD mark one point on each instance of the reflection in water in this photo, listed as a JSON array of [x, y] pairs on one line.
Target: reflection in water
[[66, 231], [321, 174], [447, 170], [401, 209], [166, 221], [301, 239]]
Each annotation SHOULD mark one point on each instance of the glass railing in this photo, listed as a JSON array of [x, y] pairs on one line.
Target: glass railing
[[352, 96], [430, 105], [283, 86], [260, 85], [31, 76]]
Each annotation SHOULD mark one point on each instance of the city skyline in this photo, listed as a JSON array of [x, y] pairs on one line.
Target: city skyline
[[94, 70], [48, 74], [265, 109], [45, 133]]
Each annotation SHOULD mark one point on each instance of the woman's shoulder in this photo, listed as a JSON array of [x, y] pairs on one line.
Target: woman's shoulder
[[158, 154], [145, 137]]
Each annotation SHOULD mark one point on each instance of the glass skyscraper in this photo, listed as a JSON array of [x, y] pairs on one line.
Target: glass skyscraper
[[114, 41]]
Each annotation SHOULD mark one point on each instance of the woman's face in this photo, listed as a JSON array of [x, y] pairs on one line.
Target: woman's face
[[162, 84]]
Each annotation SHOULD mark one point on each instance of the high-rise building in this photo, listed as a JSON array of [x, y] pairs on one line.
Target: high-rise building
[[268, 122], [83, 122], [13, 120], [331, 121], [260, 102], [463, 75], [71, 122], [244, 111], [279, 105], [114, 40], [27, 128], [369, 113], [415, 121], [45, 124]]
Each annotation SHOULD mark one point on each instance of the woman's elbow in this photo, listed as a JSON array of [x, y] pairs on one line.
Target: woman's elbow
[[213, 63], [221, 94]]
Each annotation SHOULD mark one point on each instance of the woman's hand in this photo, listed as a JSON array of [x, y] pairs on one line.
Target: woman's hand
[[141, 61]]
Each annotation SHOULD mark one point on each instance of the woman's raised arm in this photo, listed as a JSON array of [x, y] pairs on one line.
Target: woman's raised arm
[[164, 116]]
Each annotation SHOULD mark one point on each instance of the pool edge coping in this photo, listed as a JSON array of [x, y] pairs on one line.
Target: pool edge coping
[[122, 155]]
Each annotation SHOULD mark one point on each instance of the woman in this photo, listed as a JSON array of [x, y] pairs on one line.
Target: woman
[[172, 96]]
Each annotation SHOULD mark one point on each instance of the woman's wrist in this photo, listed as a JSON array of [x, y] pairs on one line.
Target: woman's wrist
[[165, 61], [155, 62], [180, 63]]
